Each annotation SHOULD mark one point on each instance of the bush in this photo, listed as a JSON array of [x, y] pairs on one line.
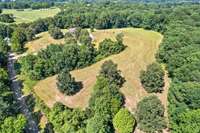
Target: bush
[[56, 33], [123, 121], [150, 115], [67, 84], [153, 78]]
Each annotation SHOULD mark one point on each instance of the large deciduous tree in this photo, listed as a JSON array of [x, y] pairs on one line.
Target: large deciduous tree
[[67, 84], [153, 78], [150, 115], [110, 71], [123, 121]]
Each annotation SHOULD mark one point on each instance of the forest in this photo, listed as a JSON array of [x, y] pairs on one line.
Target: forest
[[179, 52]]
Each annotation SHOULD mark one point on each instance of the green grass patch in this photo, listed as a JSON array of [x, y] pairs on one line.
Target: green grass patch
[[29, 15]]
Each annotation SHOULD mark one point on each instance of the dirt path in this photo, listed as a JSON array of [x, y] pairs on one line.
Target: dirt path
[[32, 126]]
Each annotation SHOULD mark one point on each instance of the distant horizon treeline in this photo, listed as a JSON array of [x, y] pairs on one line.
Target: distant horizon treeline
[[91, 1]]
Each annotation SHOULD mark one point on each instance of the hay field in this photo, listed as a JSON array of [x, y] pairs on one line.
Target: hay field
[[141, 48], [29, 15], [42, 41]]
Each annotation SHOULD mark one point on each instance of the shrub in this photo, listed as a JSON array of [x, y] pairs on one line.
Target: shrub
[[153, 78], [123, 121]]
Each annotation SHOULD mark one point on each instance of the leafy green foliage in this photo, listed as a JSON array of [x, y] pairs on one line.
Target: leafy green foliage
[[189, 121], [150, 115], [67, 120], [67, 84], [124, 121], [55, 32], [108, 47], [98, 125], [153, 78], [13, 125], [182, 97], [7, 18], [105, 102], [109, 70], [18, 39]]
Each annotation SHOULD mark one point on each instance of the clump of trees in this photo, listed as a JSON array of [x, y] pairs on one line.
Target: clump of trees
[[67, 84], [105, 102], [150, 115], [124, 121], [7, 18], [153, 78], [55, 32]]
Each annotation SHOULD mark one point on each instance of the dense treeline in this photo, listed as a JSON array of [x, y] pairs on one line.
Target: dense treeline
[[180, 51], [24, 5], [10, 118]]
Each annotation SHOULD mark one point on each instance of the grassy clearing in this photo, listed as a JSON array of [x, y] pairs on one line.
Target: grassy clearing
[[42, 41], [141, 47], [29, 15]]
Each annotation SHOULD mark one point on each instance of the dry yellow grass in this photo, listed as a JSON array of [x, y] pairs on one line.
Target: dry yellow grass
[[141, 48], [41, 42]]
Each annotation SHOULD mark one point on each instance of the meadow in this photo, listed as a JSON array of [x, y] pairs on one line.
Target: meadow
[[141, 48], [41, 41], [29, 15]]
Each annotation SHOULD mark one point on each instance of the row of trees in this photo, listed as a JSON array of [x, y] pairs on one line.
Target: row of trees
[[25, 4]]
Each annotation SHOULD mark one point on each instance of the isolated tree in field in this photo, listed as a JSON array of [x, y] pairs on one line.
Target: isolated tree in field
[[18, 39], [153, 78], [150, 115], [110, 71], [67, 84], [55, 32], [124, 121]]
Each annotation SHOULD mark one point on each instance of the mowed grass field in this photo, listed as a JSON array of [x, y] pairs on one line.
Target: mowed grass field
[[41, 42], [29, 15], [141, 48]]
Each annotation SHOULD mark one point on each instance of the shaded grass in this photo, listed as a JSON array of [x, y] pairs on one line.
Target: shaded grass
[[141, 47], [29, 15]]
